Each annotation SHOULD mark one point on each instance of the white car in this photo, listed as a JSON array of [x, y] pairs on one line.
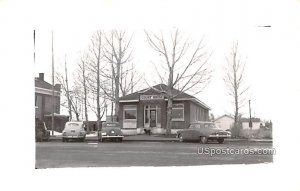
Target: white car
[[74, 130]]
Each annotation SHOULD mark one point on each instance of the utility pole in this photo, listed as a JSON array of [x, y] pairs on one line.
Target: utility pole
[[52, 116]]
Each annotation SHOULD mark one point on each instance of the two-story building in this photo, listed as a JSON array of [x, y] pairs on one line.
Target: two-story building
[[44, 103], [148, 109]]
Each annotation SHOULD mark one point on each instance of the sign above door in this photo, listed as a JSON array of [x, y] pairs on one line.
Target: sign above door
[[151, 97]]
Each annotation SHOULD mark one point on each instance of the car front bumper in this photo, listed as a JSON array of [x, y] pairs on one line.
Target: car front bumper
[[219, 136], [111, 136], [73, 136]]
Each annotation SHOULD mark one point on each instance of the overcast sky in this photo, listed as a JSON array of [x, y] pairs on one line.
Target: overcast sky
[[220, 23]]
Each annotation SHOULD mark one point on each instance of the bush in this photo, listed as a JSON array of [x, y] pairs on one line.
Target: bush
[[256, 133], [235, 129]]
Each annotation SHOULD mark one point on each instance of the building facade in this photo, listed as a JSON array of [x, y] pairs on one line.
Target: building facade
[[43, 97], [224, 122], [43, 103], [147, 109], [256, 123]]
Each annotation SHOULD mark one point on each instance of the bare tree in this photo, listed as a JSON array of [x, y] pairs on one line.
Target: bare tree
[[95, 56], [181, 66], [234, 80], [70, 95], [117, 53], [81, 83], [129, 79], [85, 92], [67, 90], [76, 100]]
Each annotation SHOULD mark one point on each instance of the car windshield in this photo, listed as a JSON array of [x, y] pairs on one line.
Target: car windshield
[[74, 126]]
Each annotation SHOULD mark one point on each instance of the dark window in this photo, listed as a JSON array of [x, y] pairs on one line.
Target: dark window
[[146, 116], [178, 112], [130, 112]]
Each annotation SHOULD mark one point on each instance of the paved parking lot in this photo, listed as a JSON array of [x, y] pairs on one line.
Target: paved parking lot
[[93, 154]]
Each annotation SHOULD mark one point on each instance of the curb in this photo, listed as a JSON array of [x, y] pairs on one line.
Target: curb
[[150, 140], [249, 140]]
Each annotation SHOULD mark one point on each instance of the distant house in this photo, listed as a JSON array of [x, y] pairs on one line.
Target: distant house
[[148, 109], [224, 122], [256, 123], [43, 103]]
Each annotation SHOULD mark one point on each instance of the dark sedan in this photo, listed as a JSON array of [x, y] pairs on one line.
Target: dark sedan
[[110, 131], [202, 131]]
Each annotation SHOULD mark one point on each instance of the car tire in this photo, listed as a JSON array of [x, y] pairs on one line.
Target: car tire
[[120, 140], [220, 140], [203, 140], [63, 140], [67, 140], [180, 138]]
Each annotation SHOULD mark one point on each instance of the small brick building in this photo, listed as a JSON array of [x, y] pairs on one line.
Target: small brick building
[[148, 109]]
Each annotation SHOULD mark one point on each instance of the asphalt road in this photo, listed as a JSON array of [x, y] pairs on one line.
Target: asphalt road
[[93, 154]]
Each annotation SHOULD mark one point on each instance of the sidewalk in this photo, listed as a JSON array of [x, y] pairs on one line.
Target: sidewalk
[[174, 139], [161, 138]]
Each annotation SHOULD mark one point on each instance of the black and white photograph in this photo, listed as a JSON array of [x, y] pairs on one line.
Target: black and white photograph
[[144, 95]]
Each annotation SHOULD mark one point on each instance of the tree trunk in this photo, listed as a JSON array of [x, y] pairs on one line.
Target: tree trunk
[[117, 90], [170, 102], [117, 82], [68, 92], [236, 99], [98, 86], [85, 97], [77, 116], [112, 111], [169, 116]]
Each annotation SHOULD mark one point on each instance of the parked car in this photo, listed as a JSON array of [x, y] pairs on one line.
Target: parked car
[[229, 131], [41, 132], [74, 130], [110, 131], [202, 131]]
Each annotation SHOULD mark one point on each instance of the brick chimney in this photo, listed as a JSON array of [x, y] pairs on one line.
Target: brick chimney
[[41, 76]]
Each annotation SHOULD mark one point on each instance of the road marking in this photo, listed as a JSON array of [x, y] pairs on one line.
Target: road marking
[[92, 143]]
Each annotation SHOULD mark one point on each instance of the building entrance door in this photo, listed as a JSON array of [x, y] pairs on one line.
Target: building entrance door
[[152, 118]]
